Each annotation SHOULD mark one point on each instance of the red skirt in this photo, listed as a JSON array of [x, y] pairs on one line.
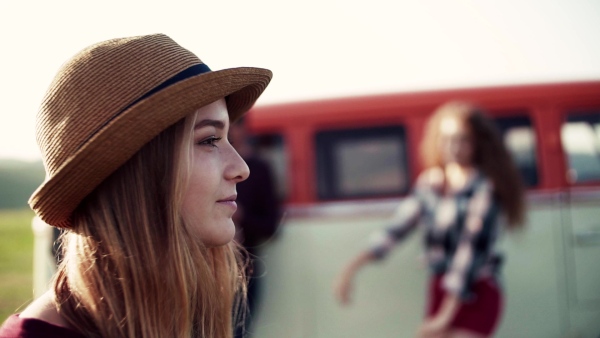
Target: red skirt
[[481, 315]]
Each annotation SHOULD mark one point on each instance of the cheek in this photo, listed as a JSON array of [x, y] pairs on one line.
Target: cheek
[[198, 194], [443, 145], [195, 208], [448, 147]]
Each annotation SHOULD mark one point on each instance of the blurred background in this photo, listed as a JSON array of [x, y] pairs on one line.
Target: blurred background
[[326, 49]]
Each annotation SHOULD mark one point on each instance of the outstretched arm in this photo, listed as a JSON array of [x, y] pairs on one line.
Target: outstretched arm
[[404, 221], [342, 287]]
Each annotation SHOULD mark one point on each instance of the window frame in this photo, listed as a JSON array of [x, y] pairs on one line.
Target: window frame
[[516, 117], [326, 169], [572, 114]]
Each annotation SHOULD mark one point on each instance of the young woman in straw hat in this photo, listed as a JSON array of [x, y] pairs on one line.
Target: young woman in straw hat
[[470, 181], [142, 177]]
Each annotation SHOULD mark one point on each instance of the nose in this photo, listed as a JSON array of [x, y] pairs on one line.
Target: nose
[[453, 145], [237, 169]]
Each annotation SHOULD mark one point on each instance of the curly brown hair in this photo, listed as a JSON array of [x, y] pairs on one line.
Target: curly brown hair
[[490, 155]]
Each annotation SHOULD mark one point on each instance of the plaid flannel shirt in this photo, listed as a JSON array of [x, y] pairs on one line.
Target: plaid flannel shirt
[[461, 229]]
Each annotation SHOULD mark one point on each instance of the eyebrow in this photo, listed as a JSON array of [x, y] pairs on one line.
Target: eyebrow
[[213, 123]]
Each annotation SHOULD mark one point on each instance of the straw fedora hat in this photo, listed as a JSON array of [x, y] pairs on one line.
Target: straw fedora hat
[[111, 99]]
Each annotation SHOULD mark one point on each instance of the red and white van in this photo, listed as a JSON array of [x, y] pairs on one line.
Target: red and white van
[[344, 164]]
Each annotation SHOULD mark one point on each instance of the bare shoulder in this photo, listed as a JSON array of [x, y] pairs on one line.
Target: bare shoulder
[[44, 309]]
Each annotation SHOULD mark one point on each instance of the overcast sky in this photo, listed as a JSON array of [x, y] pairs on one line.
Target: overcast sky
[[316, 48]]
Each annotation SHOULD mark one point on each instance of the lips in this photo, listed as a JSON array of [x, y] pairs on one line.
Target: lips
[[231, 198], [229, 202]]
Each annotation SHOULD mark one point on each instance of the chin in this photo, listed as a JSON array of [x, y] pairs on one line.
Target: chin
[[223, 234], [218, 242]]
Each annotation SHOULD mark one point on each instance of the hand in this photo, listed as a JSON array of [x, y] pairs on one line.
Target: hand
[[438, 325], [433, 328], [342, 287]]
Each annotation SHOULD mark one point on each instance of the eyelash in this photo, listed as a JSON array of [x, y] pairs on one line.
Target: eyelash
[[210, 141]]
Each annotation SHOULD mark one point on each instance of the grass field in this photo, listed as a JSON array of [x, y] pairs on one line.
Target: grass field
[[16, 261]]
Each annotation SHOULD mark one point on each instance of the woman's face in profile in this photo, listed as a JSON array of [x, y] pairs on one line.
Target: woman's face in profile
[[456, 145], [215, 169]]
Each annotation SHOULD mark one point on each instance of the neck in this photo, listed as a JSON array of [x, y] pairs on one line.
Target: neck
[[458, 175]]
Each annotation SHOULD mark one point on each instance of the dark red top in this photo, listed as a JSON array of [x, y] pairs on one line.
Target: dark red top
[[15, 327]]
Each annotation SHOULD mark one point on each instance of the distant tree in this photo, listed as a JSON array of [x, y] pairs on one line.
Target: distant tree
[[18, 180]]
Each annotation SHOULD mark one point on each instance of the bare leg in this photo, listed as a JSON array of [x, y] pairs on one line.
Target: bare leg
[[441, 335], [458, 333]]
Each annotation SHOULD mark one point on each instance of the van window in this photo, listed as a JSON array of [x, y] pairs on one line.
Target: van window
[[580, 135], [365, 162], [519, 137], [271, 148]]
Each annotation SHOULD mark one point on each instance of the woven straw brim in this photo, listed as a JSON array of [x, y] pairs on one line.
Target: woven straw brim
[[56, 199]]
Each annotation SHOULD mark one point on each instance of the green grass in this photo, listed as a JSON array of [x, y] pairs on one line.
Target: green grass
[[16, 261]]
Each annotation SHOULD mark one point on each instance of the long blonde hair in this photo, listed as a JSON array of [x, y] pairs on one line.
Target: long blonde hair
[[131, 266]]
